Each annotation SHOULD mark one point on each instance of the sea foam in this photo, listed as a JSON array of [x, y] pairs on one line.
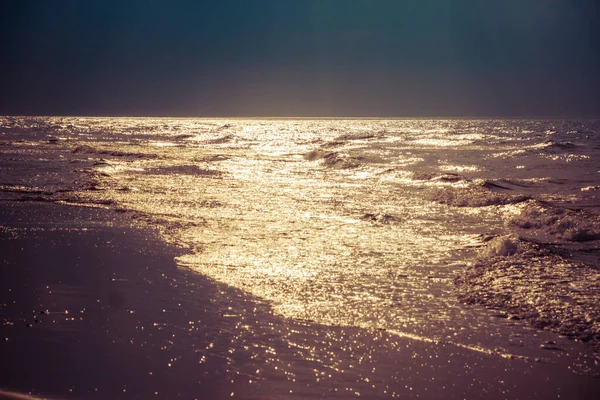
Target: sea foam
[[532, 281], [566, 224], [500, 246]]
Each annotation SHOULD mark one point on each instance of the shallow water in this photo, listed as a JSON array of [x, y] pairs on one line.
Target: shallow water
[[358, 223], [95, 309]]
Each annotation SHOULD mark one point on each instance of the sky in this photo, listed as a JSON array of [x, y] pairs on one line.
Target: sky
[[322, 58]]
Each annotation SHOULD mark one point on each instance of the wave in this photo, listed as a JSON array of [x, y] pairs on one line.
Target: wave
[[21, 189], [500, 246], [550, 144], [334, 143], [535, 282], [184, 170], [318, 155], [225, 126], [331, 159], [356, 136], [183, 136], [86, 149], [447, 177], [220, 140], [381, 218], [476, 196], [506, 183], [552, 147], [590, 188], [566, 224]]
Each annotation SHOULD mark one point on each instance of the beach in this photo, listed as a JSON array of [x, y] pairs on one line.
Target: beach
[[91, 309], [95, 307]]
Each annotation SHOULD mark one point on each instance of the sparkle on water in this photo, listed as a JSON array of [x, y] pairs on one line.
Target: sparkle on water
[[329, 221]]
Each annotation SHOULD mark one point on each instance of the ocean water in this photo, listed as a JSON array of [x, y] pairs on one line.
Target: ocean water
[[466, 232]]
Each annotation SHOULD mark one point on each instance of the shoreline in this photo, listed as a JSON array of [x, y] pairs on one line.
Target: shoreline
[[95, 307], [93, 316]]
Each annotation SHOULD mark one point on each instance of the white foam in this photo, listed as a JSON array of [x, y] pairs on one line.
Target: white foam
[[500, 246], [571, 225]]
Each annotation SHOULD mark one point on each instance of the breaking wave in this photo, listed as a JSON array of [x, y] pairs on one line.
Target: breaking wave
[[554, 146], [534, 282], [500, 246], [566, 224]]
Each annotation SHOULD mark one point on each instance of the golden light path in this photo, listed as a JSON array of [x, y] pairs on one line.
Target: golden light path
[[341, 247]]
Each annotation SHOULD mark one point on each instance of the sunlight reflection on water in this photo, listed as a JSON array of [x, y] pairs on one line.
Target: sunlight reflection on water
[[364, 251], [348, 237]]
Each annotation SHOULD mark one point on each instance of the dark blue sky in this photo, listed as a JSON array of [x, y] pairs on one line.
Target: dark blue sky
[[300, 58]]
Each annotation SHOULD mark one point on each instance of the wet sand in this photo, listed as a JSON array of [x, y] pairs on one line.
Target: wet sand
[[93, 307]]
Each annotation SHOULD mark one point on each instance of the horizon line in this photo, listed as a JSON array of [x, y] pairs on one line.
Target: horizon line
[[467, 117]]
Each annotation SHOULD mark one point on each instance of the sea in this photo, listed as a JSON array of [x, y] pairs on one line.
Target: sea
[[475, 233]]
